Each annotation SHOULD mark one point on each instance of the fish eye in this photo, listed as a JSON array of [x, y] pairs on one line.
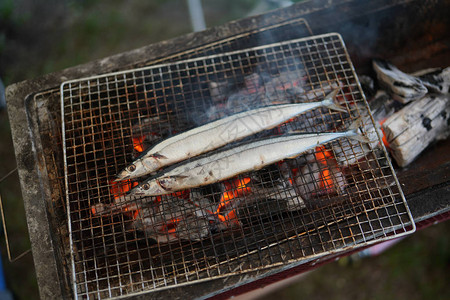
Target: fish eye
[[132, 168], [146, 186]]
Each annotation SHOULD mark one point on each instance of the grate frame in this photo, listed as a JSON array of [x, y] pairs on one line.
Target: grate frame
[[375, 223]]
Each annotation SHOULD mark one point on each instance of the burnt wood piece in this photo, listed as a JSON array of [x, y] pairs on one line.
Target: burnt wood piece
[[436, 80], [410, 130], [401, 86]]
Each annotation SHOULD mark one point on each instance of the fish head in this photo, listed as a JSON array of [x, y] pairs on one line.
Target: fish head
[[148, 188], [138, 168]]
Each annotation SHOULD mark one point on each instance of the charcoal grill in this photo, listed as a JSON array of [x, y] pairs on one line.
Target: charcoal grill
[[102, 115], [40, 158]]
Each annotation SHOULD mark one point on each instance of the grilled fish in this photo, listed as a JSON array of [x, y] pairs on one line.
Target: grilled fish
[[244, 158], [219, 133]]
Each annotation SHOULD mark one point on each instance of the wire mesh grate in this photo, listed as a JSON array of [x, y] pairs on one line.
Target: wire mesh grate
[[341, 194]]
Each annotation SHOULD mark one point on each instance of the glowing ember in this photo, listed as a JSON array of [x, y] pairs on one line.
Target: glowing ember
[[326, 181], [138, 144], [132, 212], [384, 139], [93, 209], [184, 194], [170, 226], [233, 189], [230, 219], [120, 188]]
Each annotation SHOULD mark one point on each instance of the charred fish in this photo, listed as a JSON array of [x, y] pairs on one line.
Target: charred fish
[[219, 133], [244, 158]]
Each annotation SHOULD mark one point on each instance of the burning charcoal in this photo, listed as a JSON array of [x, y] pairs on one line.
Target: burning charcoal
[[417, 125], [320, 176], [253, 83], [173, 219], [266, 89], [259, 206], [436, 80], [101, 209], [146, 219], [401, 86]]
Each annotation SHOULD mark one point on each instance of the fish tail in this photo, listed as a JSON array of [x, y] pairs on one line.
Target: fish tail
[[356, 135], [355, 132], [330, 102]]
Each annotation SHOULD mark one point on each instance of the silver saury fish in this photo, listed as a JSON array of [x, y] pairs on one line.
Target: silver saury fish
[[229, 163], [219, 133]]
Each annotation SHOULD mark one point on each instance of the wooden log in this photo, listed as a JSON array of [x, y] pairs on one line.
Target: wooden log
[[410, 130]]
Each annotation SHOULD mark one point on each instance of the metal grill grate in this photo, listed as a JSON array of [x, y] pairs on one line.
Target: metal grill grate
[[116, 247], [47, 109]]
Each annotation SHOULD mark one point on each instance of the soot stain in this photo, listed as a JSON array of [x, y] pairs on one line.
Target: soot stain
[[426, 122]]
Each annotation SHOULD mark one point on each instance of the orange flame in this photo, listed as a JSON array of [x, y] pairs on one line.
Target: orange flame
[[229, 219], [138, 144], [184, 194], [384, 139], [170, 226], [119, 188], [133, 213], [93, 210], [326, 181], [233, 189]]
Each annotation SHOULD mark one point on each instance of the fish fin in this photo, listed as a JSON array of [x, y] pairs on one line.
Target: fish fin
[[158, 156], [355, 132], [358, 123], [357, 136], [330, 102]]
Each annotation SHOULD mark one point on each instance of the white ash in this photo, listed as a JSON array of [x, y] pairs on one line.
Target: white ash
[[190, 221], [288, 193], [401, 86], [193, 228]]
